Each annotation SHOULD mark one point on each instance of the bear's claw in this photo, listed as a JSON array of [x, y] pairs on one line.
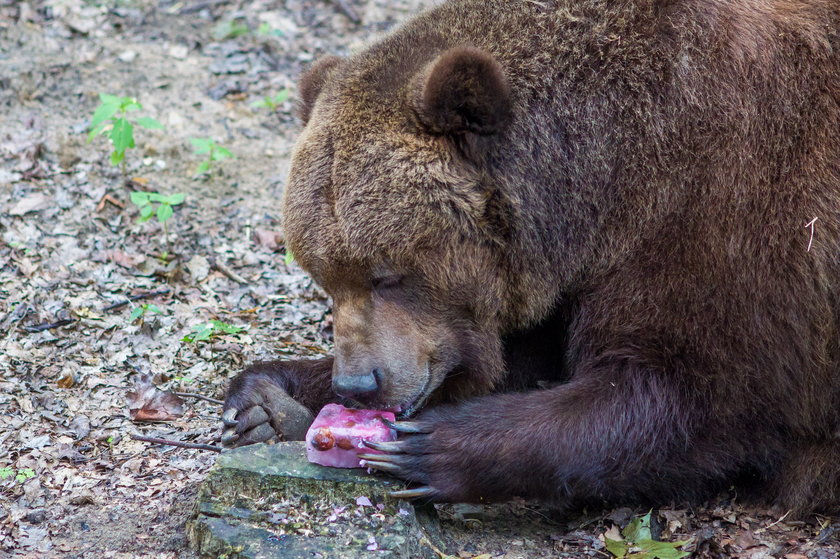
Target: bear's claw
[[369, 461], [411, 427], [386, 446], [229, 417], [415, 493]]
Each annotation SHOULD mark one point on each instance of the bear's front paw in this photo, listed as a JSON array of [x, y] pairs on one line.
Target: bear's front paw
[[436, 453], [257, 409]]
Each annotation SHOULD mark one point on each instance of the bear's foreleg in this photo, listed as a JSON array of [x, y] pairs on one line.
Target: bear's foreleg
[[629, 435]]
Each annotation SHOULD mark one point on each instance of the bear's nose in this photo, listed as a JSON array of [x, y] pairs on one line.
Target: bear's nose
[[362, 388]]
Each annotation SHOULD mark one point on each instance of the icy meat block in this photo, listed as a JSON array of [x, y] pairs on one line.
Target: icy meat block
[[335, 437]]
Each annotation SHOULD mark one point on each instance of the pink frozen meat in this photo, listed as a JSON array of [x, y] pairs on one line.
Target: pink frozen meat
[[335, 437]]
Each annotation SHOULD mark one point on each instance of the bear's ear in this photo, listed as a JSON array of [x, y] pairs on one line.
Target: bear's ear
[[463, 90], [311, 83]]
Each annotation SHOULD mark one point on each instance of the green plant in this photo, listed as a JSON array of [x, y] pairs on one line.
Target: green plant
[[289, 258], [638, 543], [154, 203], [265, 29], [111, 116], [214, 152], [229, 29], [22, 474], [271, 102], [206, 330], [142, 310]]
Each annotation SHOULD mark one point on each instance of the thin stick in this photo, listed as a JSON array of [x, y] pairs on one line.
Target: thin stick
[[760, 530], [179, 444], [199, 397], [132, 298], [228, 272], [48, 326]]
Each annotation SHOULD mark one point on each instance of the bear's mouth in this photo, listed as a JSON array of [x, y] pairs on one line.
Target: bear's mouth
[[408, 410]]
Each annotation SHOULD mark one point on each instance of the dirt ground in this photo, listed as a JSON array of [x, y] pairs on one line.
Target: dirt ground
[[72, 481]]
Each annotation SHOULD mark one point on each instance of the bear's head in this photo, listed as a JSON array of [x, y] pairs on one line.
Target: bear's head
[[390, 208]]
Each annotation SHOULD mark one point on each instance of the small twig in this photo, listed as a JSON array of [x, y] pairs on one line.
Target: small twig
[[179, 444], [228, 272], [109, 199], [198, 6], [199, 397], [760, 530], [345, 8], [49, 326], [133, 298]]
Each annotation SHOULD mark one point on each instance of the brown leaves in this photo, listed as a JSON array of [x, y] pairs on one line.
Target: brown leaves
[[148, 404]]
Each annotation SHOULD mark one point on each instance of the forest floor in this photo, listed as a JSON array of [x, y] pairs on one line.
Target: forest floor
[[76, 362]]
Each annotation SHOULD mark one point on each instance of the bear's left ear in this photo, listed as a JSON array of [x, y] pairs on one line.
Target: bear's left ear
[[463, 90]]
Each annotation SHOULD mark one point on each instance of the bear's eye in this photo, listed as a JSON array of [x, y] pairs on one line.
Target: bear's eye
[[386, 282]]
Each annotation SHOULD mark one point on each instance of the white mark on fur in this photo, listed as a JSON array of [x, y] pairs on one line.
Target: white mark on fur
[[811, 240]]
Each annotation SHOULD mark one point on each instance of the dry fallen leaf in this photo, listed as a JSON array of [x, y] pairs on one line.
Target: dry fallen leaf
[[271, 240], [32, 203], [147, 403]]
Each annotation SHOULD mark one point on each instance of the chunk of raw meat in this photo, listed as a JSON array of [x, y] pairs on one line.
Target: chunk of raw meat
[[335, 437]]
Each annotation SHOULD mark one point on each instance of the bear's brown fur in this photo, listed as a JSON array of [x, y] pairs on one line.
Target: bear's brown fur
[[576, 230]]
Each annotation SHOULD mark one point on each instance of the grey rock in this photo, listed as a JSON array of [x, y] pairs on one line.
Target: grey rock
[[264, 501]]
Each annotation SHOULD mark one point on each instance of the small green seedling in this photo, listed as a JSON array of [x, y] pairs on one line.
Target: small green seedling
[[111, 116], [214, 152], [22, 475], [229, 29], [206, 330], [154, 203], [638, 543], [265, 30], [289, 258], [271, 102], [143, 310]]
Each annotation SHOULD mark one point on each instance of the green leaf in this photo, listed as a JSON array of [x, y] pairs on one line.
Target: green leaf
[[164, 212], [122, 135], [289, 257], [129, 104], [139, 198], [201, 145], [24, 474], [112, 99], [150, 123], [117, 156], [136, 313], [221, 153], [282, 96], [153, 308], [96, 131], [638, 539], [103, 112], [202, 332], [262, 103], [227, 328], [157, 197], [175, 199], [638, 529], [229, 30], [203, 167], [146, 213], [6, 472], [617, 548]]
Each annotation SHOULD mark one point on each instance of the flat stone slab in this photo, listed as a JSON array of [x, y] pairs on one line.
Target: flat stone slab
[[265, 501]]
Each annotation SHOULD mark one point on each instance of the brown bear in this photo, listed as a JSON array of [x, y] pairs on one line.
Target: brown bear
[[590, 248]]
